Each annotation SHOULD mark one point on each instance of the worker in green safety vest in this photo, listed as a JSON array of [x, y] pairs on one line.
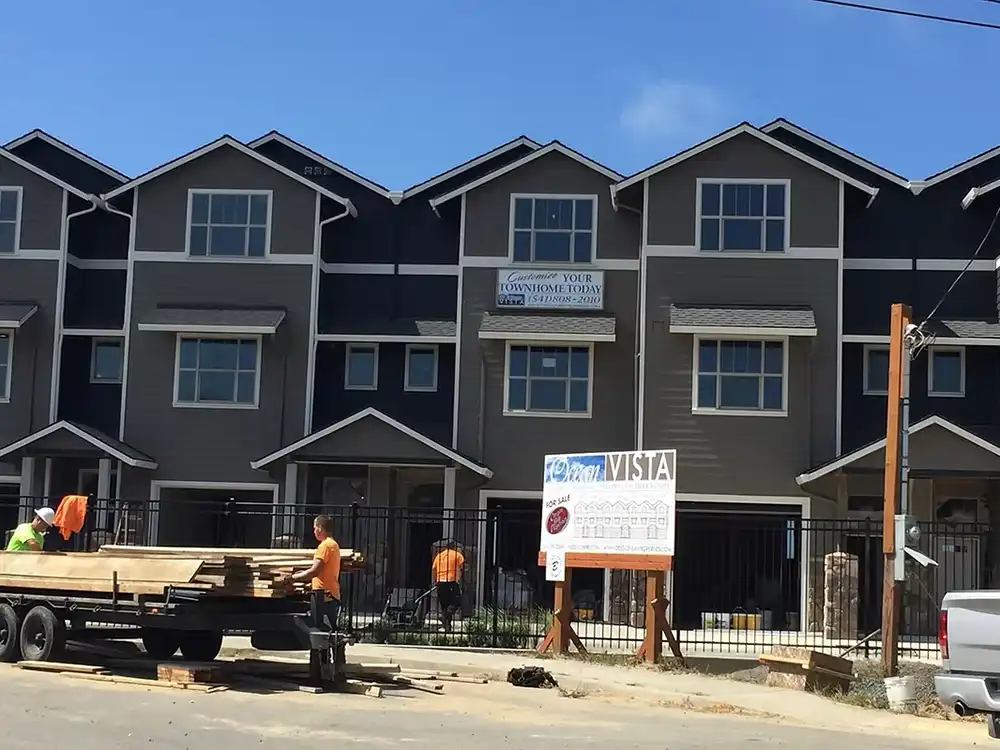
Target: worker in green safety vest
[[28, 536]]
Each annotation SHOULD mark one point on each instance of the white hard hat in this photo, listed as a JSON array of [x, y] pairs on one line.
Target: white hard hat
[[46, 514]]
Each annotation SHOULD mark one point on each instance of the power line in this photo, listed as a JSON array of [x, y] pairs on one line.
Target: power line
[[913, 14]]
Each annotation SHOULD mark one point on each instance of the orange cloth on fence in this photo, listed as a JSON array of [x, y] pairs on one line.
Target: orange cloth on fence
[[70, 514]]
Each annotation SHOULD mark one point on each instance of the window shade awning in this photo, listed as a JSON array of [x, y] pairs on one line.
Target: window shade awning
[[555, 328], [212, 321], [16, 314], [742, 320]]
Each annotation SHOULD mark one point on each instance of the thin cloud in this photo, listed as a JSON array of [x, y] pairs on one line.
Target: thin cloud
[[668, 109]]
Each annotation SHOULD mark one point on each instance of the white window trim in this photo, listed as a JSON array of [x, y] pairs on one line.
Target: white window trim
[[7, 384], [406, 368], [17, 218], [556, 197], [225, 258], [960, 350], [715, 411], [94, 473], [864, 383], [347, 367], [221, 404], [550, 414], [701, 181], [93, 360]]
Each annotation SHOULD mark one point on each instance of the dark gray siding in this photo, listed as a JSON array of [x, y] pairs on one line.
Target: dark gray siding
[[217, 444], [66, 167], [428, 413], [815, 205], [734, 454], [29, 281], [162, 215], [363, 300], [95, 404], [42, 209], [94, 298], [99, 234]]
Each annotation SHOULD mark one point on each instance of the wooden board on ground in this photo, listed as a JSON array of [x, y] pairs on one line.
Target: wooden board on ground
[[186, 673], [54, 666], [802, 669]]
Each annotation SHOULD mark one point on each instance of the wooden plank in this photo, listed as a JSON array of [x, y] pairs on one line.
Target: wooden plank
[[144, 682], [98, 567], [55, 666], [189, 673], [381, 667], [613, 561]]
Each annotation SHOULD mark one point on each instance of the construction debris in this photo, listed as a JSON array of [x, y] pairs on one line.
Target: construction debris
[[534, 677], [802, 669]]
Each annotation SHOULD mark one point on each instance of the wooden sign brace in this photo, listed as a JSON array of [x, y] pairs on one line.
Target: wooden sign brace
[[657, 625]]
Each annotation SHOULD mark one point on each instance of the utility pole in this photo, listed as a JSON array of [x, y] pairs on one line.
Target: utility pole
[[895, 493]]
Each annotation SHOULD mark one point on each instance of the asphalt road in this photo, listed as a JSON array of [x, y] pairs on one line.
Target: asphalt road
[[57, 712]]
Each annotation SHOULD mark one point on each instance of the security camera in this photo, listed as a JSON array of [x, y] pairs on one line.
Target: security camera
[[969, 197]]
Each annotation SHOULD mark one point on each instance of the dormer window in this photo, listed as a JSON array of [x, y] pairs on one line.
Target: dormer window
[[743, 216], [553, 228], [228, 223]]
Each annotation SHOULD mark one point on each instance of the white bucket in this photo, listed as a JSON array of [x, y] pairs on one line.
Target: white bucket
[[902, 694]]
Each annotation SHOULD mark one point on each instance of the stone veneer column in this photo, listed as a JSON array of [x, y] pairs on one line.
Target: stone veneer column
[[840, 602]]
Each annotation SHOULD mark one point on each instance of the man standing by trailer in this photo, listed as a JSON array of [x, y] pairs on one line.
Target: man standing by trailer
[[28, 537], [325, 570], [446, 576]]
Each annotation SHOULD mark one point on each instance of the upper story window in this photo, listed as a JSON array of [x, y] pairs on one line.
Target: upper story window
[[6, 363], [741, 376], [743, 217], [876, 374], [361, 367], [217, 372], [229, 224], [106, 361], [549, 380], [421, 368], [946, 371], [10, 218], [553, 228]]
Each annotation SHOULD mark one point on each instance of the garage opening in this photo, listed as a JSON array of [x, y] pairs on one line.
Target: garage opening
[[737, 563], [214, 518]]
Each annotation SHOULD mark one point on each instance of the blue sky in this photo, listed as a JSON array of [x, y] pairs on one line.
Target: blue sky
[[399, 91]]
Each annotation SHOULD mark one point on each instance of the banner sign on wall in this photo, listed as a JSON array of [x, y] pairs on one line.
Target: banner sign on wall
[[612, 503], [536, 289]]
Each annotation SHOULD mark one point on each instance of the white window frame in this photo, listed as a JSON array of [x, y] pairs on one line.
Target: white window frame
[[347, 367], [6, 383], [17, 217], [95, 473], [192, 192], [589, 345], [716, 411], [406, 368], [932, 352], [216, 404], [96, 342], [702, 181], [514, 197], [864, 383]]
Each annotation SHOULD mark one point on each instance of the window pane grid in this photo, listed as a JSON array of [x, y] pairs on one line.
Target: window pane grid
[[9, 200], [229, 224], [217, 371], [562, 386], [553, 230], [740, 375], [743, 217]]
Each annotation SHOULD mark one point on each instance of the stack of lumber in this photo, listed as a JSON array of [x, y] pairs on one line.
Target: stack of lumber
[[803, 669]]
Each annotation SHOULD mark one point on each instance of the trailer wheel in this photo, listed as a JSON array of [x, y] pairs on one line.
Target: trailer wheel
[[43, 635], [10, 633], [992, 727], [201, 645], [160, 643]]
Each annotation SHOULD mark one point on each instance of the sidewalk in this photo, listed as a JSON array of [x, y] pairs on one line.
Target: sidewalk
[[680, 690]]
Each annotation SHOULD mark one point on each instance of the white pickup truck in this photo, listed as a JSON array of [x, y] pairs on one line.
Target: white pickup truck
[[969, 637]]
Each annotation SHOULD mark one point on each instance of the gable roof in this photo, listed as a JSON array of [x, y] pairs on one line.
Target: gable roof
[[743, 128], [520, 141], [340, 169], [66, 148], [24, 164], [947, 174], [782, 124], [218, 143], [975, 192], [549, 148]]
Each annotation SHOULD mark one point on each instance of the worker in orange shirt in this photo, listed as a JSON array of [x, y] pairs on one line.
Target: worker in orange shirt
[[446, 576], [325, 570]]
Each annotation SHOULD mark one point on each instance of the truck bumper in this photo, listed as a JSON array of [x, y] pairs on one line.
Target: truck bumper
[[972, 690]]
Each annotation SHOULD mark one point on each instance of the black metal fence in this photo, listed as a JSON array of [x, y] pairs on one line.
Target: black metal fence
[[740, 584]]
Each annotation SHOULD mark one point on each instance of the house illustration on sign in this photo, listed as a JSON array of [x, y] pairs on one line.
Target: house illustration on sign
[[632, 519]]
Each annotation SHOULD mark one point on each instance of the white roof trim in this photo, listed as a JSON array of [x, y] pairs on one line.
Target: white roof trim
[[975, 161], [371, 412], [566, 338], [320, 159], [232, 143], [932, 421], [221, 330], [977, 191], [833, 148], [748, 129], [86, 436], [44, 175], [66, 148], [464, 167], [554, 147], [742, 331], [15, 324]]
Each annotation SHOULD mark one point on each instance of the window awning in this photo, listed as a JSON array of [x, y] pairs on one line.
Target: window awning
[[430, 331], [16, 314], [743, 320], [72, 439], [555, 328], [212, 321]]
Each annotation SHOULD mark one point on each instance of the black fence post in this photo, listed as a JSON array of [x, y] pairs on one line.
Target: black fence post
[[351, 582]]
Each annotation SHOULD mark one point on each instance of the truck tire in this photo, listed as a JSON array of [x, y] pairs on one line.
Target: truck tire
[[43, 635], [993, 725], [10, 634], [160, 643], [201, 645]]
